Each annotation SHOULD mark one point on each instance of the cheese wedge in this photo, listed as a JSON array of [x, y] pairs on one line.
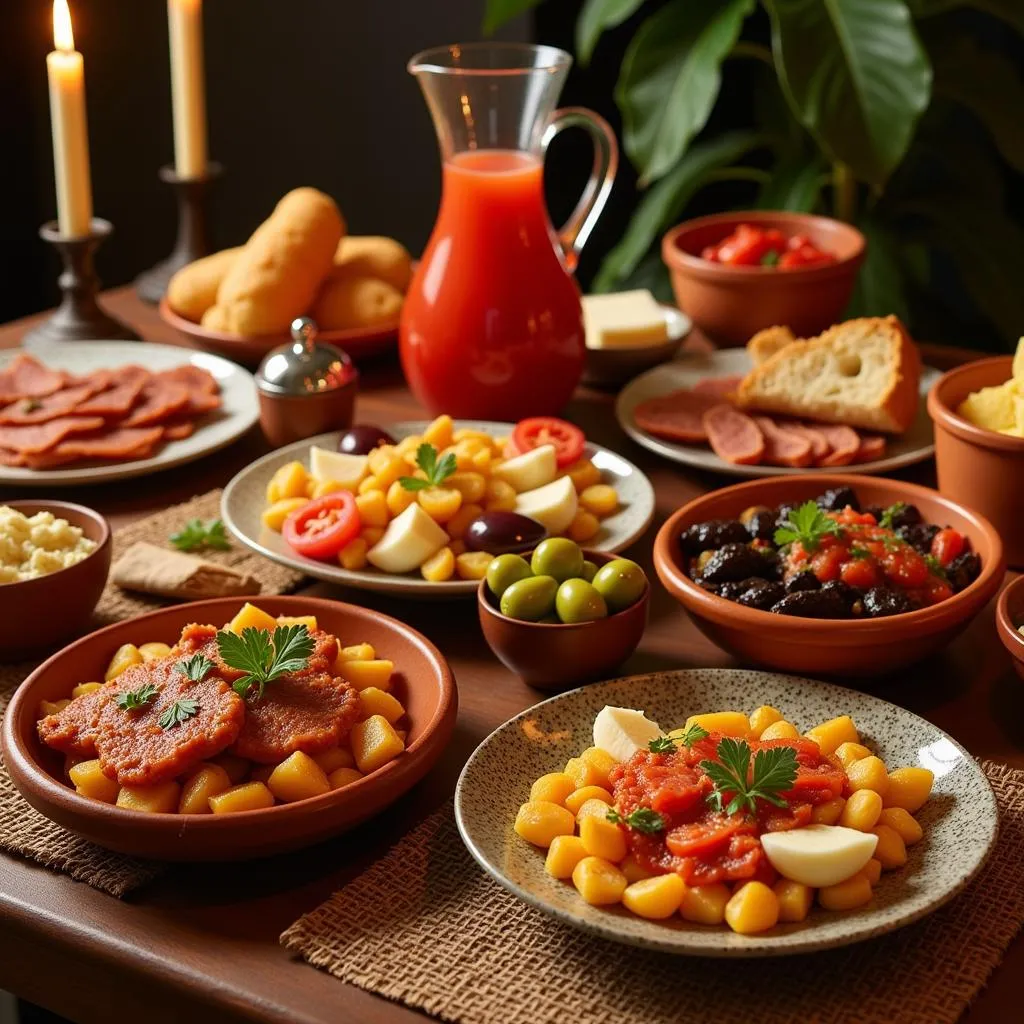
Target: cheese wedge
[[346, 470], [530, 470], [621, 732], [623, 320], [410, 539], [819, 855], [553, 505]]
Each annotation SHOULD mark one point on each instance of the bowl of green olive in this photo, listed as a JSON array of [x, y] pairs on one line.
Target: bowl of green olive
[[561, 615]]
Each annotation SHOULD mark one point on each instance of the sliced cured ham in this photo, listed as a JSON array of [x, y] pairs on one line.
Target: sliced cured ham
[[203, 389], [845, 443], [117, 444], [872, 447], [26, 377], [720, 386], [783, 447], [159, 400], [40, 437], [819, 443], [121, 398], [733, 435], [60, 403], [178, 431], [678, 416]]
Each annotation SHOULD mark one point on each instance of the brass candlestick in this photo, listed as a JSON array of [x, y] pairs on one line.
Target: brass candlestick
[[193, 231], [79, 316]]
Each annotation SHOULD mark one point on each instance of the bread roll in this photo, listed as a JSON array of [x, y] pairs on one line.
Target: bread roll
[[277, 276], [214, 319], [347, 302], [193, 289], [374, 256]]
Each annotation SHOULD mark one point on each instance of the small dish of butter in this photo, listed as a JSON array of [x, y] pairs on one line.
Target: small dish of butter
[[37, 545]]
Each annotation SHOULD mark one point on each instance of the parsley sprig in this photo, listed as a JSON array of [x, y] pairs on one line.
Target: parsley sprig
[[687, 738], [935, 567], [891, 513], [806, 524], [196, 668], [196, 534], [262, 657], [180, 711], [774, 772], [643, 819], [132, 700], [436, 470]]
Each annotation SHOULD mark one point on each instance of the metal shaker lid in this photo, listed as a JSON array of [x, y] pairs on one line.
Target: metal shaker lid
[[304, 366]]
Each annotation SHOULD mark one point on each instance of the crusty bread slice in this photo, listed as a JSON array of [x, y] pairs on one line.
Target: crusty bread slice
[[864, 373], [763, 345]]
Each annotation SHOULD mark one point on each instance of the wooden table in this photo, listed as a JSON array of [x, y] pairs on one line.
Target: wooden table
[[201, 943]]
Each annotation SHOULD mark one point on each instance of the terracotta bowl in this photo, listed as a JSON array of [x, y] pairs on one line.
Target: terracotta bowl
[[423, 683], [730, 304], [52, 608], [845, 648], [1009, 619], [550, 656], [977, 466]]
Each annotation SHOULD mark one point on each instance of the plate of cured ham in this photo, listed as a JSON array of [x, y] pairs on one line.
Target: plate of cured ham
[[90, 411], [682, 410]]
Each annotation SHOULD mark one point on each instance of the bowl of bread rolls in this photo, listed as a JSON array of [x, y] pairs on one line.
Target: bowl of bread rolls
[[300, 261]]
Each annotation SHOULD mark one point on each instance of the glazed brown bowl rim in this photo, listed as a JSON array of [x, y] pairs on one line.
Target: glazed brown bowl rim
[[14, 750], [56, 507], [678, 259], [719, 609], [1008, 631], [941, 412], [599, 558]]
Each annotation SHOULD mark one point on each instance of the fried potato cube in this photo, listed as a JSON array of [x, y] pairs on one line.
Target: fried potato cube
[[472, 565], [362, 674], [829, 735], [319, 488], [409, 445], [598, 881], [273, 516], [601, 499], [470, 484], [902, 821], [829, 812], [289, 481], [439, 433], [83, 688], [592, 808], [850, 752], [553, 787], [634, 870], [236, 767], [564, 853], [387, 465], [357, 652], [602, 838], [373, 508], [794, 898], [333, 758], [249, 616], [379, 702], [51, 707], [209, 780], [249, 796], [728, 723], [89, 780], [869, 773], [846, 895], [872, 871], [762, 717], [297, 777], [584, 474], [575, 801], [374, 743], [891, 851], [124, 657], [539, 821], [584, 526], [862, 810], [343, 777], [601, 761], [780, 731], [655, 898], [160, 799], [704, 904], [458, 524], [908, 788], [440, 503], [440, 567], [584, 773], [500, 497], [752, 908], [154, 651], [309, 621], [372, 535], [367, 484], [399, 499], [353, 555]]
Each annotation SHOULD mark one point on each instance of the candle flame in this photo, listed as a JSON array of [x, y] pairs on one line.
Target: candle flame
[[63, 37]]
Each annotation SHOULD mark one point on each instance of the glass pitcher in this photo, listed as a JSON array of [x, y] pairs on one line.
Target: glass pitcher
[[492, 326]]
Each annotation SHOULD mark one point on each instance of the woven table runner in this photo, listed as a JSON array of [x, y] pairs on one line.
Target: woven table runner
[[428, 928], [25, 831]]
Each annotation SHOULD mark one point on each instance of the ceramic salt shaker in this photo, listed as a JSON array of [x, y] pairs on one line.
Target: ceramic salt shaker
[[305, 388]]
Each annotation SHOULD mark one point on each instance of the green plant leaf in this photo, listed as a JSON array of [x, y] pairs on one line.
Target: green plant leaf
[[665, 202], [598, 16], [1009, 11], [652, 274], [856, 76], [795, 183], [497, 12], [670, 78], [880, 288]]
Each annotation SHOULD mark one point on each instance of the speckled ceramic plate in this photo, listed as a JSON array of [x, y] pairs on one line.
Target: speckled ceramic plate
[[960, 819], [244, 500], [916, 445]]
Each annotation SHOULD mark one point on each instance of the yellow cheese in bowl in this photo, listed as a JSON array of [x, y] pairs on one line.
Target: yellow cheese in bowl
[[630, 319], [999, 408]]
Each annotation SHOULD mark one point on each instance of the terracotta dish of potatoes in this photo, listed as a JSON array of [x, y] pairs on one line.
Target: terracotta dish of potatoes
[[299, 262]]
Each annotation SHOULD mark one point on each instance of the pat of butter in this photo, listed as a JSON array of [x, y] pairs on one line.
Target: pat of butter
[[623, 320]]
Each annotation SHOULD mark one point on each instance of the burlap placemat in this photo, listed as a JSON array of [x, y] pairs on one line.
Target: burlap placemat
[[428, 928], [22, 829]]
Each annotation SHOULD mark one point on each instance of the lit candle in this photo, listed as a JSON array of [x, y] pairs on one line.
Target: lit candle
[[188, 86], [65, 70]]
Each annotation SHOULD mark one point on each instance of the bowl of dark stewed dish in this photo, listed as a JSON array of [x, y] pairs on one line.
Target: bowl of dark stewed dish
[[829, 574]]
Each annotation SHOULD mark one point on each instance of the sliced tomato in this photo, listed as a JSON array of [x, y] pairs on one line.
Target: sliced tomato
[[705, 837], [567, 438], [947, 544], [323, 527]]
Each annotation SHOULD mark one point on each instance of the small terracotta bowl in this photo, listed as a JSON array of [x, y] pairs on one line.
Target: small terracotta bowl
[[423, 683], [551, 656], [52, 608], [1009, 619], [730, 304], [288, 418], [831, 647], [980, 467]]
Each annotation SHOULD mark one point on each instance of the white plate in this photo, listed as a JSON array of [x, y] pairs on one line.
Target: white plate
[[244, 500], [960, 819], [916, 445], [238, 412]]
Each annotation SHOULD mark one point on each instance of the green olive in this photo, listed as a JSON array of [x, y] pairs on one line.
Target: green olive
[[579, 601], [589, 571], [620, 582], [530, 599], [506, 570], [558, 557]]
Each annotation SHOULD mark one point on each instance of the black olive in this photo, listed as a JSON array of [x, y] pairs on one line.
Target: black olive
[[761, 594], [805, 580], [712, 534], [963, 570], [902, 514], [844, 590], [761, 525], [881, 601], [737, 562], [813, 604], [712, 588], [362, 438], [876, 511], [837, 498], [919, 536], [731, 590]]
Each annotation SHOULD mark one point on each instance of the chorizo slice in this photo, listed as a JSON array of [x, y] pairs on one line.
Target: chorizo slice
[[721, 387], [677, 416], [734, 436], [845, 442], [819, 443], [783, 447], [872, 447]]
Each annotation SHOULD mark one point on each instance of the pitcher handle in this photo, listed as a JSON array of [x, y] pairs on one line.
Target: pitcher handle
[[576, 230]]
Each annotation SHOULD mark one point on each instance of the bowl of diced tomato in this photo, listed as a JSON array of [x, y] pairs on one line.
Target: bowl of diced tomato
[[735, 274]]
